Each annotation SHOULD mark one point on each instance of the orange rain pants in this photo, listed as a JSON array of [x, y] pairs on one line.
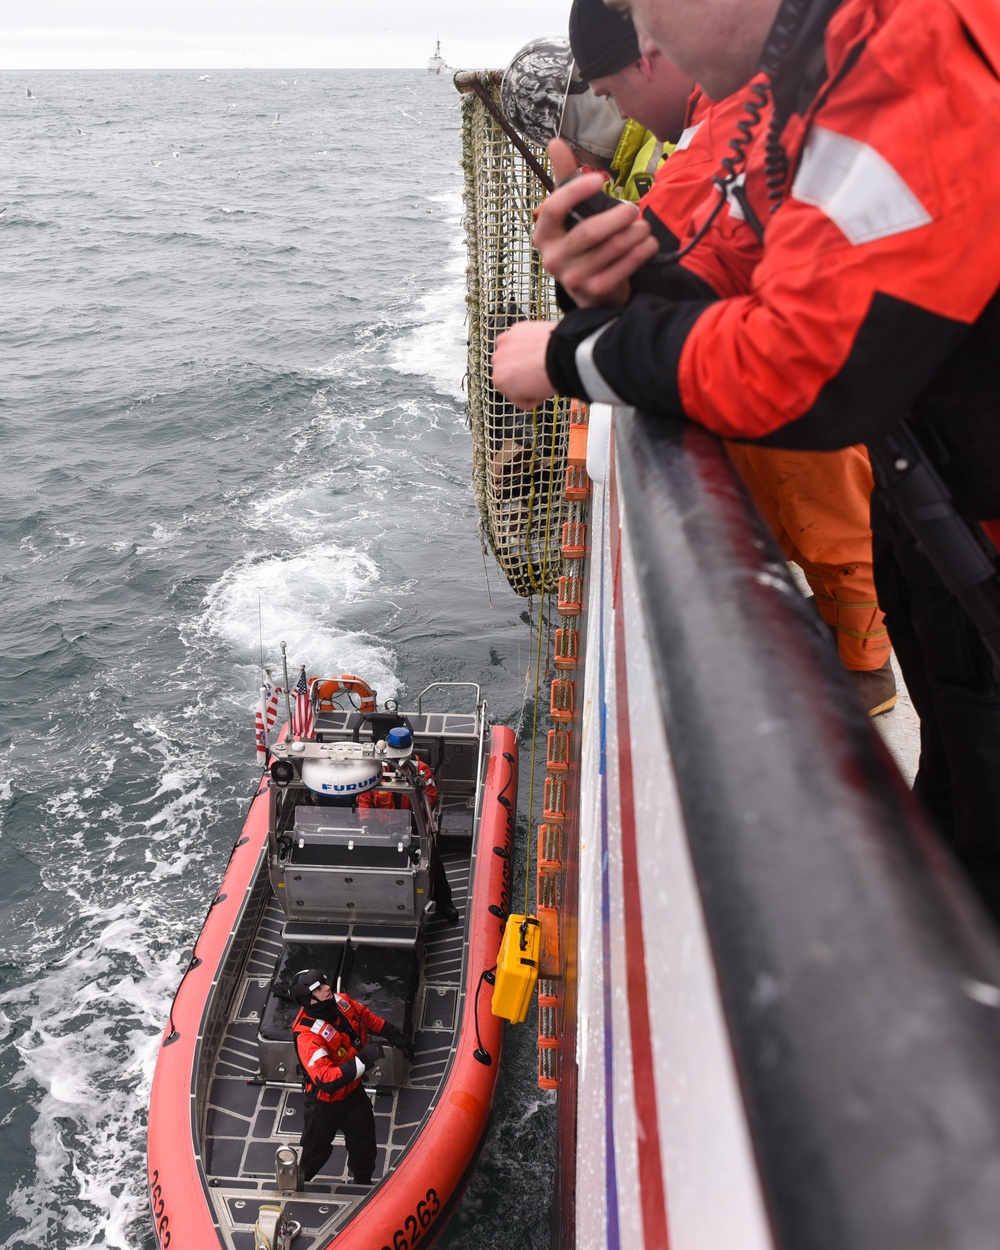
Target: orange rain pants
[[817, 504]]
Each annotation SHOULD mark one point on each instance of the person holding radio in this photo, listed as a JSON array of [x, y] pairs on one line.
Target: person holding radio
[[426, 785], [816, 504], [873, 302]]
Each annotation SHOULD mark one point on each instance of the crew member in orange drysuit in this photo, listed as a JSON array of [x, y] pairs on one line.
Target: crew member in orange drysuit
[[817, 504], [335, 1040]]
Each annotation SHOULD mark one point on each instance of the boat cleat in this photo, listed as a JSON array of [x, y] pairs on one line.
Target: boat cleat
[[272, 1229], [287, 1170]]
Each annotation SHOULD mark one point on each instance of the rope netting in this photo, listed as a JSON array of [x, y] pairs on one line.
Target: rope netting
[[519, 458]]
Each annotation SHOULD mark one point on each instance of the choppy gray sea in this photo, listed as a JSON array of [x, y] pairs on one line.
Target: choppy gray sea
[[232, 342]]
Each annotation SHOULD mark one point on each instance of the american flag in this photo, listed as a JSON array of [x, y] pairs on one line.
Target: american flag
[[303, 720], [266, 715]]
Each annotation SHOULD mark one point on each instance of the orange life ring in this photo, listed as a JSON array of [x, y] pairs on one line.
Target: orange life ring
[[327, 688]]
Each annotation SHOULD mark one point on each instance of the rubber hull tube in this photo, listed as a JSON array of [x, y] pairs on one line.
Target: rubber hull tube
[[182, 1214]]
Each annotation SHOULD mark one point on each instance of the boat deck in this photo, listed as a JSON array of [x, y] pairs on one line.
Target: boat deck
[[247, 1121]]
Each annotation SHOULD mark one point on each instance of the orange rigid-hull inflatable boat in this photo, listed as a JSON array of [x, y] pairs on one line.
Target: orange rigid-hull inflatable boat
[[318, 881]]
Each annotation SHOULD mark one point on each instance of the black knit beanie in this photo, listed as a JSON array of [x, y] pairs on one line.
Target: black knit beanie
[[602, 40]]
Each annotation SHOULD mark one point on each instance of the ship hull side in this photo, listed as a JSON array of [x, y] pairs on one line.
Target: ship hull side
[[651, 1133]]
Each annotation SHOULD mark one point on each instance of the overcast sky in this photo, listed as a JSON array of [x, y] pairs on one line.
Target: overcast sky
[[112, 34]]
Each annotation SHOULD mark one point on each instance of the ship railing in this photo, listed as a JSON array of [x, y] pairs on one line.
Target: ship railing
[[481, 729], [451, 685], [857, 976]]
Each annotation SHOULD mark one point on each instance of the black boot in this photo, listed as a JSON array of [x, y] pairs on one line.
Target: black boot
[[876, 687]]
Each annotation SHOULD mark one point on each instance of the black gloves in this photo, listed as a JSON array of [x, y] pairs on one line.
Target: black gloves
[[396, 1037], [372, 1051]]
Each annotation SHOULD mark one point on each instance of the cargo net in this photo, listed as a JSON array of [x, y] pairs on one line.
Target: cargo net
[[518, 458]]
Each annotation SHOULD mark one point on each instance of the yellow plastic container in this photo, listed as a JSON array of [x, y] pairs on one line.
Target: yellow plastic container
[[517, 968]]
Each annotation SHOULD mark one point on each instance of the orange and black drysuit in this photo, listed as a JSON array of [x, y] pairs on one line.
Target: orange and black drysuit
[[388, 798], [335, 1099], [873, 294], [875, 298]]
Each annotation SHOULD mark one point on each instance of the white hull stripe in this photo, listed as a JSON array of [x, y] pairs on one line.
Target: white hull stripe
[[856, 188]]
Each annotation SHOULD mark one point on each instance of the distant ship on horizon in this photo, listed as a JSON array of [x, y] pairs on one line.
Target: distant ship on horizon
[[436, 63]]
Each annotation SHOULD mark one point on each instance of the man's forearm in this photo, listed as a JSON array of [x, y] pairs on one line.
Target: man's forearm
[[627, 355]]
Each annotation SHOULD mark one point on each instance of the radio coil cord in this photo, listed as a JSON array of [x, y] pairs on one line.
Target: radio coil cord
[[775, 163], [728, 183]]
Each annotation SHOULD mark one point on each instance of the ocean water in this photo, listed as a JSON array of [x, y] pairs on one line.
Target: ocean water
[[232, 341]]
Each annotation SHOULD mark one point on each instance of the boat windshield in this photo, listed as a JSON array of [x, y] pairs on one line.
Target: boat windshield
[[370, 826]]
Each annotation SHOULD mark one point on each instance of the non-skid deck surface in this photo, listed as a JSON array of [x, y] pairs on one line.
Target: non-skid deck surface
[[247, 1122]]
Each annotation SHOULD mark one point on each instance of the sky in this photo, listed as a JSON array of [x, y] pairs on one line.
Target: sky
[[287, 34]]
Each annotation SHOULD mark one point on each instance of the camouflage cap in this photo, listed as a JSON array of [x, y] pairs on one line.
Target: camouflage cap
[[543, 95], [534, 85]]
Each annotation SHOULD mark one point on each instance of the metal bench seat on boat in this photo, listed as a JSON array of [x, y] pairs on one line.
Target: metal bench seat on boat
[[384, 978], [310, 933]]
